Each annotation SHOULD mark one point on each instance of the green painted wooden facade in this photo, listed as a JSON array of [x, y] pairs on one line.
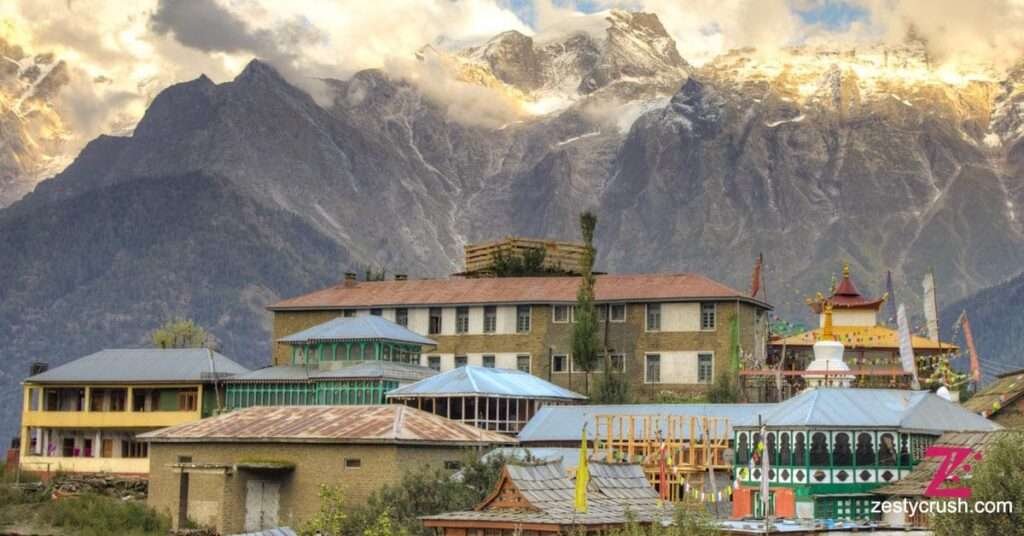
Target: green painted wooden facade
[[368, 350], [308, 393]]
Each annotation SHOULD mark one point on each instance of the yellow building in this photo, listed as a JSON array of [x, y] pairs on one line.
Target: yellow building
[[871, 349], [83, 416]]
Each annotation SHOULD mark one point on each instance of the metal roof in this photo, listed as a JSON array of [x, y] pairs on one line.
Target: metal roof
[[496, 290], [473, 380], [142, 365], [998, 394], [383, 370], [358, 328], [873, 408], [563, 423], [328, 424]]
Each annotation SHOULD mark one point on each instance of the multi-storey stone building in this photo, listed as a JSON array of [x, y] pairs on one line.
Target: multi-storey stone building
[[663, 331]]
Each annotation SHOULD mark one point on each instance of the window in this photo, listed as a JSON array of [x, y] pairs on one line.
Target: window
[[460, 361], [402, 317], [488, 361], [349, 313], [652, 370], [522, 319], [705, 367], [561, 313], [461, 319], [434, 362], [653, 316], [490, 319], [376, 312], [134, 449], [618, 311], [707, 316], [452, 465], [618, 362], [559, 363], [523, 363], [602, 313], [435, 320], [187, 400], [353, 463], [184, 459]]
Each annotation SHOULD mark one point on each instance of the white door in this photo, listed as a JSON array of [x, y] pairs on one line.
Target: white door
[[261, 498]]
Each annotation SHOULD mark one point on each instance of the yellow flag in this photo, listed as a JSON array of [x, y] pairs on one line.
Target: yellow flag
[[582, 476]]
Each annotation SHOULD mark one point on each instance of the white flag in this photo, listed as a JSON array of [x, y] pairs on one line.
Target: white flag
[[906, 346], [931, 315]]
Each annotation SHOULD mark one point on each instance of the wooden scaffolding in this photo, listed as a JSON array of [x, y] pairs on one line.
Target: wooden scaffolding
[[694, 448]]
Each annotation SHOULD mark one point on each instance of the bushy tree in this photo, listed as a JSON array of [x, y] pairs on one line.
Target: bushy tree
[[331, 519], [998, 477], [725, 390], [182, 333], [529, 262]]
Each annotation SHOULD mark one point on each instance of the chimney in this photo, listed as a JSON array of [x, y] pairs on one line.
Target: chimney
[[401, 277], [350, 279], [38, 367]]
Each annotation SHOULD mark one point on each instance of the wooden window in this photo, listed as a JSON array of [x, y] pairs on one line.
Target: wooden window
[[522, 319], [490, 319], [705, 367], [187, 400], [488, 361], [435, 320], [561, 314], [618, 311], [434, 362], [617, 362], [353, 463], [460, 361], [462, 320], [402, 316], [653, 316], [523, 362], [652, 368], [376, 312], [602, 312], [560, 363], [134, 449], [707, 316]]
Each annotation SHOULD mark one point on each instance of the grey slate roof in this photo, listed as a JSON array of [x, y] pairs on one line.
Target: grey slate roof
[[358, 328], [387, 370], [142, 365], [874, 408], [563, 423], [473, 380]]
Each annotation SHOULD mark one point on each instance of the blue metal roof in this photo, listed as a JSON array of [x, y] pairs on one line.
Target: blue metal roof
[[142, 365], [563, 423], [473, 380], [359, 328], [874, 408]]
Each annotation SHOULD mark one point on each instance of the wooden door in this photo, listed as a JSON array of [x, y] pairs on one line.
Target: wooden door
[[261, 504], [107, 448]]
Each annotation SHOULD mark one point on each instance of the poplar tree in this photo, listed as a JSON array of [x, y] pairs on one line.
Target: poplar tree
[[584, 335]]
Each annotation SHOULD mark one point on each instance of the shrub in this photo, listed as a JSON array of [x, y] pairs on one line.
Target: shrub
[[96, 515]]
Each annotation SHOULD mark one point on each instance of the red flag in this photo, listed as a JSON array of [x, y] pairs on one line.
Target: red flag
[[755, 284], [975, 362]]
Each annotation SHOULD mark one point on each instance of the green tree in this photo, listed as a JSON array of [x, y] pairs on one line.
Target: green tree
[[724, 390], [530, 262], [182, 333], [584, 335], [998, 477], [331, 519]]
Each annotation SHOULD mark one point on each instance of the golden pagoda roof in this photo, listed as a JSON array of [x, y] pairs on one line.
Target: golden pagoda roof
[[863, 337]]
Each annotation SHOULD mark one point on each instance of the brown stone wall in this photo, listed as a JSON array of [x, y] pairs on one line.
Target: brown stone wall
[[315, 464], [546, 337]]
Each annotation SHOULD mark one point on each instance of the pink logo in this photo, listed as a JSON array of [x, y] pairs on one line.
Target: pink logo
[[954, 458]]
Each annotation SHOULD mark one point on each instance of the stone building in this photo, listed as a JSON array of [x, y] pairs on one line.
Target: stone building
[[84, 416], [663, 331], [261, 467]]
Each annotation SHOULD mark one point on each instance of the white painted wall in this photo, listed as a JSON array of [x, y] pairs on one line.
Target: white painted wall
[[680, 317], [851, 317], [679, 367], [419, 320]]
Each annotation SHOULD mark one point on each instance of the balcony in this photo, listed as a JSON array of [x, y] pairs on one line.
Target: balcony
[[111, 407], [50, 464]]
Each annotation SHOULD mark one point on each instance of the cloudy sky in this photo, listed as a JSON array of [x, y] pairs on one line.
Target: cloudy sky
[[122, 52]]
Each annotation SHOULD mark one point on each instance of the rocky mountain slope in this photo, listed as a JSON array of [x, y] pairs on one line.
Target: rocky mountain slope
[[996, 322], [228, 196]]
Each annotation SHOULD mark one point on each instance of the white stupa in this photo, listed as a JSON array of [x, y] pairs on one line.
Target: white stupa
[[828, 358]]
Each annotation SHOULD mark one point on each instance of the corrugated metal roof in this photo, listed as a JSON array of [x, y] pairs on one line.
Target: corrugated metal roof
[[474, 380], [328, 424], [915, 483], [874, 408], [358, 328], [383, 370], [142, 365], [466, 291], [563, 423]]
